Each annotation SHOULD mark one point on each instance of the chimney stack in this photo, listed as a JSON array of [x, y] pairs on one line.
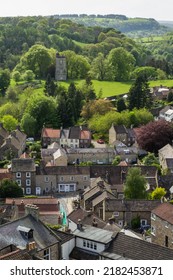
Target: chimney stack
[[32, 210]]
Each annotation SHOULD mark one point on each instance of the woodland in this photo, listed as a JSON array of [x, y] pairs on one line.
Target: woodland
[[30, 96]]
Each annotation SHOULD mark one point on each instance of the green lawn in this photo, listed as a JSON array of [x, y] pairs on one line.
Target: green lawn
[[107, 88]]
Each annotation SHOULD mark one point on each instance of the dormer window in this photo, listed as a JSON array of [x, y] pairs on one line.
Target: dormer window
[[25, 232]]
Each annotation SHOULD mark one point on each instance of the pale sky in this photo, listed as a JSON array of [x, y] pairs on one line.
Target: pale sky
[[157, 9]]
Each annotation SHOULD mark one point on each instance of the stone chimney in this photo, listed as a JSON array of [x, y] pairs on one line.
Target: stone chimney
[[32, 210]]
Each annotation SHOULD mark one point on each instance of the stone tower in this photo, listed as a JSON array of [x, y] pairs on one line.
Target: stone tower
[[61, 68]]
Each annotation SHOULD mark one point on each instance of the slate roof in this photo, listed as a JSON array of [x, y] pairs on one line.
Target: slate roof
[[94, 234], [63, 170], [80, 254], [16, 255], [120, 129], [135, 205], [86, 217], [41, 234], [164, 211], [23, 165], [138, 249], [63, 236]]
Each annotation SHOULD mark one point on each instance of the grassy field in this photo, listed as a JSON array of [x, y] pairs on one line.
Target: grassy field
[[106, 88], [116, 88]]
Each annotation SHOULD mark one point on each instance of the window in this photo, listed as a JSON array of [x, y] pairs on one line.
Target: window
[[28, 190], [61, 188], [166, 241], [89, 244], [28, 174], [61, 179], [85, 178], [47, 254], [28, 182], [116, 214], [18, 175], [19, 182], [143, 222], [71, 178], [153, 216], [72, 188], [153, 230], [46, 179]]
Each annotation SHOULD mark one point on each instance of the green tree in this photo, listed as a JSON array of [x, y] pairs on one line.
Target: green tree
[[9, 122], [50, 86], [158, 193], [38, 59], [100, 68], [116, 160], [4, 80], [43, 110], [28, 124], [28, 76], [139, 94], [135, 184], [122, 63], [9, 188], [150, 159], [16, 76], [121, 105]]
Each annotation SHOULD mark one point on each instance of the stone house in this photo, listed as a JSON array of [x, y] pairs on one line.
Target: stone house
[[3, 134], [124, 211], [166, 157], [62, 178], [48, 207], [73, 137], [162, 225], [95, 155], [122, 134], [30, 234], [60, 158], [24, 173], [13, 145], [166, 113], [49, 136]]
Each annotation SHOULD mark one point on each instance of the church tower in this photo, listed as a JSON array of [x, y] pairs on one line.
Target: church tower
[[61, 68]]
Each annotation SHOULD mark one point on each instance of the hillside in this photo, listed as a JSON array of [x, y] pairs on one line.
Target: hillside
[[134, 27]]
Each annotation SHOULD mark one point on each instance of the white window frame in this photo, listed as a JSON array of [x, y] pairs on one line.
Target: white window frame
[[28, 190], [19, 182], [143, 220], [61, 178], [153, 216], [28, 182], [18, 175], [116, 214], [28, 174]]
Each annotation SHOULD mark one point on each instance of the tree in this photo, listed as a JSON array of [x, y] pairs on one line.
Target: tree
[[9, 122], [158, 193], [9, 188], [116, 160], [135, 184], [121, 106], [100, 67], [148, 71], [43, 110], [150, 159], [154, 135], [38, 59], [16, 76], [50, 86], [100, 106], [28, 76], [4, 80], [122, 63], [28, 124], [139, 94]]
